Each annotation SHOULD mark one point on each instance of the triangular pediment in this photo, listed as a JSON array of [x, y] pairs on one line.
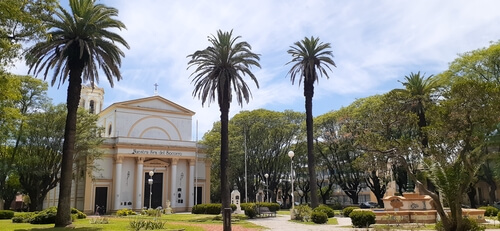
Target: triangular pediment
[[156, 103]]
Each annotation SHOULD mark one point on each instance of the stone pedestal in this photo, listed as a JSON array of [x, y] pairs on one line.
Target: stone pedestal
[[235, 199]]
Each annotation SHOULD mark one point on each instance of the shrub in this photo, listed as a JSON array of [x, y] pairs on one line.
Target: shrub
[[362, 218], [152, 212], [213, 209], [347, 210], [99, 220], [489, 211], [197, 209], [469, 225], [302, 212], [273, 207], [17, 220], [249, 209], [244, 206], [47, 216], [326, 209], [23, 217], [336, 206], [79, 214], [6, 214], [125, 212], [472, 225], [319, 217], [147, 224], [233, 207]]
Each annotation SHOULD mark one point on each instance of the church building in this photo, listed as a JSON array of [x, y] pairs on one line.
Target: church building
[[149, 158]]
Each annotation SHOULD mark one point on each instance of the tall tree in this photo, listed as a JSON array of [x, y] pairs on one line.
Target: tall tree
[[39, 160], [22, 96], [310, 58], [21, 22], [220, 69], [417, 94], [78, 44], [269, 136], [463, 123]]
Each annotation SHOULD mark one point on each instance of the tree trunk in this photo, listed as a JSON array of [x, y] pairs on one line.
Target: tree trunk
[[493, 189], [63, 217], [471, 193], [311, 161], [377, 190], [224, 155]]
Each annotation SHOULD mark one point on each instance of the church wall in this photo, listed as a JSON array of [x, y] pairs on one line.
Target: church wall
[[105, 120], [127, 183], [200, 168], [105, 166], [181, 182], [152, 125]]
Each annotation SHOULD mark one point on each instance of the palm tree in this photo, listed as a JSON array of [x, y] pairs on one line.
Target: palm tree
[[310, 56], [78, 43], [220, 69], [418, 89]]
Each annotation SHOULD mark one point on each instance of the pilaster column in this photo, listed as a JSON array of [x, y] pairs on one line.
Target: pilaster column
[[118, 182], [191, 189], [207, 186], [173, 196], [139, 189]]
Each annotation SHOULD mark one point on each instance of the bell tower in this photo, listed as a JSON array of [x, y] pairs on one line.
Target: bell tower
[[92, 99]]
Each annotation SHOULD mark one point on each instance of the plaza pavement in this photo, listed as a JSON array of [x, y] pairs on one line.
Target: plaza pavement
[[282, 223]]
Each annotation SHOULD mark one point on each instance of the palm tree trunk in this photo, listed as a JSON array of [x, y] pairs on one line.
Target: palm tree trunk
[[224, 155], [63, 217], [311, 161]]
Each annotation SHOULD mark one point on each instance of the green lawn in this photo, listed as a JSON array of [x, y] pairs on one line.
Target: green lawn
[[189, 222]]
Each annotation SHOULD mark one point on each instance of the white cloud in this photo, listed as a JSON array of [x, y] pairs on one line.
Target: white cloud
[[375, 43]]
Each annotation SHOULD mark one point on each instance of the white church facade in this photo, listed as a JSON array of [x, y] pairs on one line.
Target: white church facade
[[143, 137]]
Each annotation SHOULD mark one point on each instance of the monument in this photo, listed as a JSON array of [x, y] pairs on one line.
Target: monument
[[235, 199]]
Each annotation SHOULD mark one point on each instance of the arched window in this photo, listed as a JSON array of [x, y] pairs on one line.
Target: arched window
[[92, 107], [109, 129]]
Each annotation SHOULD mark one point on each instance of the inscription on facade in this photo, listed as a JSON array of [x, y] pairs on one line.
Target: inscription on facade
[[156, 152]]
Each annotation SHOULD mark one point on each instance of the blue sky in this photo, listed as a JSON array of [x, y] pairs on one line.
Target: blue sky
[[375, 44]]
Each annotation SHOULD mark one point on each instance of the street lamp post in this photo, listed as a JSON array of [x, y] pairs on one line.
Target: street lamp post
[[150, 181], [291, 154], [267, 186]]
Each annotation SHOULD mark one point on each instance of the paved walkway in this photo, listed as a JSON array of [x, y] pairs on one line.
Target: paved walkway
[[282, 223]]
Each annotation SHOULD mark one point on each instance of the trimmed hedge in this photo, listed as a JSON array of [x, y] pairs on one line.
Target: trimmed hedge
[[6, 214], [23, 217], [489, 211], [273, 207], [325, 209], [250, 209], [362, 218], [213, 209], [319, 217], [347, 210], [47, 216]]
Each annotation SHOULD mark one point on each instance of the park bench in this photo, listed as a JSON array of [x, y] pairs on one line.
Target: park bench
[[265, 212]]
